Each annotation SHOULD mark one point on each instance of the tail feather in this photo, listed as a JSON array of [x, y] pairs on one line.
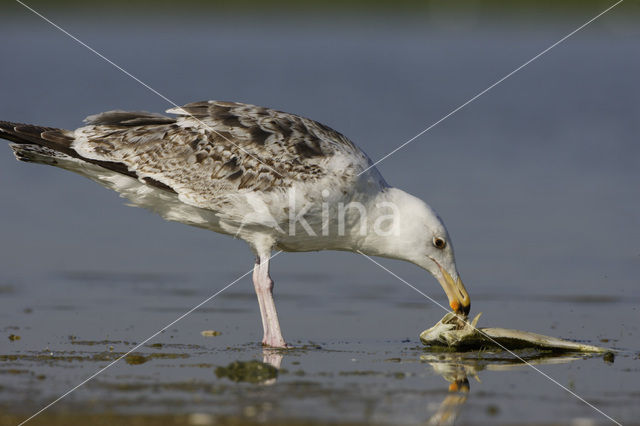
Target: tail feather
[[48, 145], [31, 153], [28, 134]]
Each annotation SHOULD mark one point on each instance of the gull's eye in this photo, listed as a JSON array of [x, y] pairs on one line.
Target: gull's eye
[[439, 243]]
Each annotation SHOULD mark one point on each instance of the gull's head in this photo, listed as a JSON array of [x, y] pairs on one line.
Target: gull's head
[[421, 238]]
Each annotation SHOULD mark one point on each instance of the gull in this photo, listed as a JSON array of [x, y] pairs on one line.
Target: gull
[[275, 180]]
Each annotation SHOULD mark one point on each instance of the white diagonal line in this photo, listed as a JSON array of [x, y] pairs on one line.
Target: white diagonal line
[[190, 311], [495, 342], [492, 86], [127, 73]]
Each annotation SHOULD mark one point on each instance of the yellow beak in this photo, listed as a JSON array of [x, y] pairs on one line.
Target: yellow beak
[[457, 294]]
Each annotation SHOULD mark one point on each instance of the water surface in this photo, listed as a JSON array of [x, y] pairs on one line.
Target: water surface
[[537, 182]]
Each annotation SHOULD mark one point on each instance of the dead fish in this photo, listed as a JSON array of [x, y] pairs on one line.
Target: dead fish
[[453, 333]]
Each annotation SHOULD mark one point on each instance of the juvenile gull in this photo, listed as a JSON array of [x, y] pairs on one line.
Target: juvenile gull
[[276, 180]]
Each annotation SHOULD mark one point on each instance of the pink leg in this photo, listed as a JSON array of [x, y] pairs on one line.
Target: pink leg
[[264, 290]]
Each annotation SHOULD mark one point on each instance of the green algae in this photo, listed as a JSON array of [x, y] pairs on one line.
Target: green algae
[[199, 365], [609, 357], [136, 359], [189, 386], [247, 371], [361, 373], [74, 341], [72, 356], [14, 371]]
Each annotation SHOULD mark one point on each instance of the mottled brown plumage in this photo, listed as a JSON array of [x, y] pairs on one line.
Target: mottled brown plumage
[[217, 146], [211, 149]]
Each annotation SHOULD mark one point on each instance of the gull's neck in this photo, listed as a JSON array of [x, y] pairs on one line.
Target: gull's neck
[[391, 215]]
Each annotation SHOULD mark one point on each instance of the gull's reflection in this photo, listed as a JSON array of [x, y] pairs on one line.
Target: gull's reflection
[[456, 368], [455, 371], [272, 357]]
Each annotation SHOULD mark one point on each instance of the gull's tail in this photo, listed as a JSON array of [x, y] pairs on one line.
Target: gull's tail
[[38, 143], [53, 146]]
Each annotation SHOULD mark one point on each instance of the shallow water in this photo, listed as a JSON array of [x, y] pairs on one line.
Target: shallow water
[[537, 182]]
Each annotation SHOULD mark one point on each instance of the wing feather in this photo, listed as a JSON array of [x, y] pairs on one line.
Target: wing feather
[[215, 148]]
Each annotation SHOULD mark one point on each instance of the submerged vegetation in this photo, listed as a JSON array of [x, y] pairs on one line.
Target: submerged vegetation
[[247, 371]]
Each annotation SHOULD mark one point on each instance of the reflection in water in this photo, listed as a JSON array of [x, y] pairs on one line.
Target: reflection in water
[[456, 367], [455, 371], [272, 357]]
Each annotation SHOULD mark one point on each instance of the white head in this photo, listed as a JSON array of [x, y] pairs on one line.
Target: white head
[[421, 238]]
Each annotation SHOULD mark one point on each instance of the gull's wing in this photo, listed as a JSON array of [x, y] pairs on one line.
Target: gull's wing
[[214, 148]]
